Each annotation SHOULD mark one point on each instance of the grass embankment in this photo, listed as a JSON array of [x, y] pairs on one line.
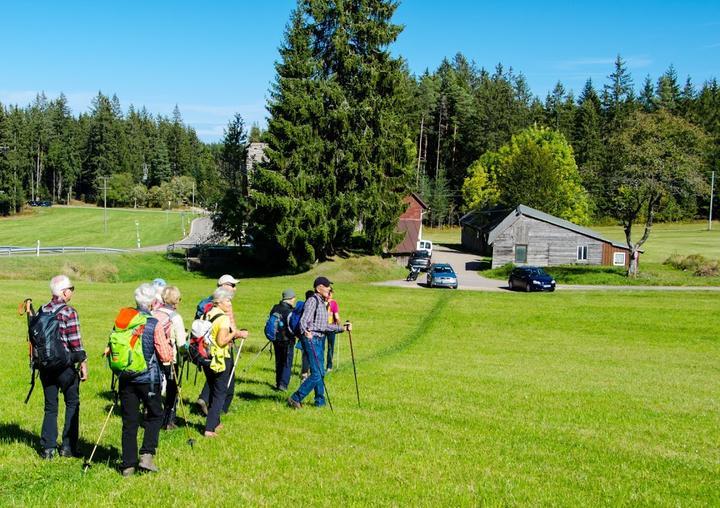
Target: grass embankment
[[575, 399], [85, 227]]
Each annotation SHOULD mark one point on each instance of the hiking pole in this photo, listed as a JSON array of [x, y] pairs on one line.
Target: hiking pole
[[179, 398], [26, 307], [322, 375], [237, 357], [253, 360], [88, 462], [352, 355]]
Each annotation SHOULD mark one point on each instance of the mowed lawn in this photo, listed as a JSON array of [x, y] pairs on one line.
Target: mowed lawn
[[467, 399], [85, 227]]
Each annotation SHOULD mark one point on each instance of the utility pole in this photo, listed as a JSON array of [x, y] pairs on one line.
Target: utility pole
[[712, 191], [137, 232], [193, 195], [105, 179]]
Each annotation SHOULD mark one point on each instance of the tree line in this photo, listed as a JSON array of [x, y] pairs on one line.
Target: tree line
[[461, 113], [130, 158]]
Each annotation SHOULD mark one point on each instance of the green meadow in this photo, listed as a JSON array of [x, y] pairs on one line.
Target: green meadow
[[467, 398], [85, 227]]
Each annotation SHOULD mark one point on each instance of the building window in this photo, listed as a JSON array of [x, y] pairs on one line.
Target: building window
[[582, 253], [619, 259], [521, 253]]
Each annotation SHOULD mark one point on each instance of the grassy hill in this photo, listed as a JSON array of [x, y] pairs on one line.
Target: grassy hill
[[59, 226], [467, 399]]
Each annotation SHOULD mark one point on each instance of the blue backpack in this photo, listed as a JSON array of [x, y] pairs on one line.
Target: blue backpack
[[294, 319], [203, 307], [274, 326]]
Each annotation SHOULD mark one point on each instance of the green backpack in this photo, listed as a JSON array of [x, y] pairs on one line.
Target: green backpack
[[126, 357]]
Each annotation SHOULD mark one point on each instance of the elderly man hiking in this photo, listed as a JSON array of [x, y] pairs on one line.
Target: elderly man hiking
[[314, 327], [60, 323], [284, 340]]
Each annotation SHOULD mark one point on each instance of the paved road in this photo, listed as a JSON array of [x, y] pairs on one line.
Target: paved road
[[201, 230], [466, 266]]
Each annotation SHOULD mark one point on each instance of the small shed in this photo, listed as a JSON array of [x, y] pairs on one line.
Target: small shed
[[527, 236], [410, 224]]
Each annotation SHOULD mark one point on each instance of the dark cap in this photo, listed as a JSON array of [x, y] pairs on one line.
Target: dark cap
[[322, 281]]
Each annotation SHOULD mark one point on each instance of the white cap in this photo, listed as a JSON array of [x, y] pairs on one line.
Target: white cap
[[227, 279]]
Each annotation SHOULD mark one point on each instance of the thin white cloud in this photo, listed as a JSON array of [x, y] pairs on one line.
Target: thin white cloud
[[711, 46]]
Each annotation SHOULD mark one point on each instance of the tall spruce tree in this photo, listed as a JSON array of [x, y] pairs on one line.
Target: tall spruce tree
[[339, 151]]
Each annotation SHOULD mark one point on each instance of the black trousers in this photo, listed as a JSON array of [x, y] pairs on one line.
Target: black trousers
[[170, 394], [130, 397], [220, 394], [284, 352], [67, 382]]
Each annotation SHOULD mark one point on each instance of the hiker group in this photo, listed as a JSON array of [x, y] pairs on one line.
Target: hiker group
[[149, 349]]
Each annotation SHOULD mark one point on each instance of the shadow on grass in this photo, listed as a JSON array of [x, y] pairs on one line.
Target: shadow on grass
[[249, 396], [13, 433]]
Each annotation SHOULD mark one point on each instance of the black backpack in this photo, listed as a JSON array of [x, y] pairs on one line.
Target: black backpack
[[49, 350]]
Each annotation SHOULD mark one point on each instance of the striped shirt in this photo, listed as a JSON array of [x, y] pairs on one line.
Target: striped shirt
[[69, 327], [315, 317]]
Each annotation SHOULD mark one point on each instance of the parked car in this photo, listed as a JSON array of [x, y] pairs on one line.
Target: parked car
[[425, 245], [442, 275], [531, 278], [420, 259], [39, 203]]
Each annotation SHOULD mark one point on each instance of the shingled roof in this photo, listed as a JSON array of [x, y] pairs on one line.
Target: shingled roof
[[550, 219]]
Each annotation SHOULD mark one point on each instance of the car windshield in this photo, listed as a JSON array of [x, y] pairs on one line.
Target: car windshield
[[537, 272], [443, 269], [421, 254]]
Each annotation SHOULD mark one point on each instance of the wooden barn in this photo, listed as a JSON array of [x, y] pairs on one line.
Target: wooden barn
[[410, 224], [530, 237]]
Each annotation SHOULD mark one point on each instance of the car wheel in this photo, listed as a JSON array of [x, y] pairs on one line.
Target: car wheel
[[551, 289], [528, 287]]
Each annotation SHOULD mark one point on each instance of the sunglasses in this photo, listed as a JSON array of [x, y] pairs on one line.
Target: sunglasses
[[230, 284], [71, 288]]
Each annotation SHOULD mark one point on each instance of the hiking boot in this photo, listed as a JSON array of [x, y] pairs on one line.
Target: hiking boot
[[282, 388], [47, 453], [128, 471], [170, 426], [67, 452], [209, 433], [203, 406], [293, 403], [220, 426], [147, 463]]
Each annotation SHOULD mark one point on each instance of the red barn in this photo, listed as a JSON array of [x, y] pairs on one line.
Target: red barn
[[410, 224]]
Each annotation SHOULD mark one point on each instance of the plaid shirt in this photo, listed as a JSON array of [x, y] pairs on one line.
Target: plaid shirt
[[315, 317], [69, 326]]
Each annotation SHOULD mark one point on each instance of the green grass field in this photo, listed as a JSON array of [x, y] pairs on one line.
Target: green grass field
[[85, 227], [571, 399]]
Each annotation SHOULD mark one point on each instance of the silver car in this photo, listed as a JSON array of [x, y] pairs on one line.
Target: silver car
[[441, 275]]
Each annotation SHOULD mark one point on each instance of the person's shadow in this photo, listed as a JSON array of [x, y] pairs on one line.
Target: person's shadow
[[13, 433]]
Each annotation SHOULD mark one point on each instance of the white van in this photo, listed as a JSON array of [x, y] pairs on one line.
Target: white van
[[425, 245]]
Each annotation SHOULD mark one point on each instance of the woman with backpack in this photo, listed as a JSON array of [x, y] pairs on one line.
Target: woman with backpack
[[143, 386], [220, 368], [174, 327]]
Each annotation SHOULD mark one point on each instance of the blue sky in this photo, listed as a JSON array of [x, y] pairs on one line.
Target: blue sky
[[216, 58]]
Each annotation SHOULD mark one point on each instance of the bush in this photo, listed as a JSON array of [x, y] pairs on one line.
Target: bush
[[695, 263]]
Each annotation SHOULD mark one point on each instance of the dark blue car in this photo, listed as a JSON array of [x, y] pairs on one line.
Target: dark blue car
[[530, 278]]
